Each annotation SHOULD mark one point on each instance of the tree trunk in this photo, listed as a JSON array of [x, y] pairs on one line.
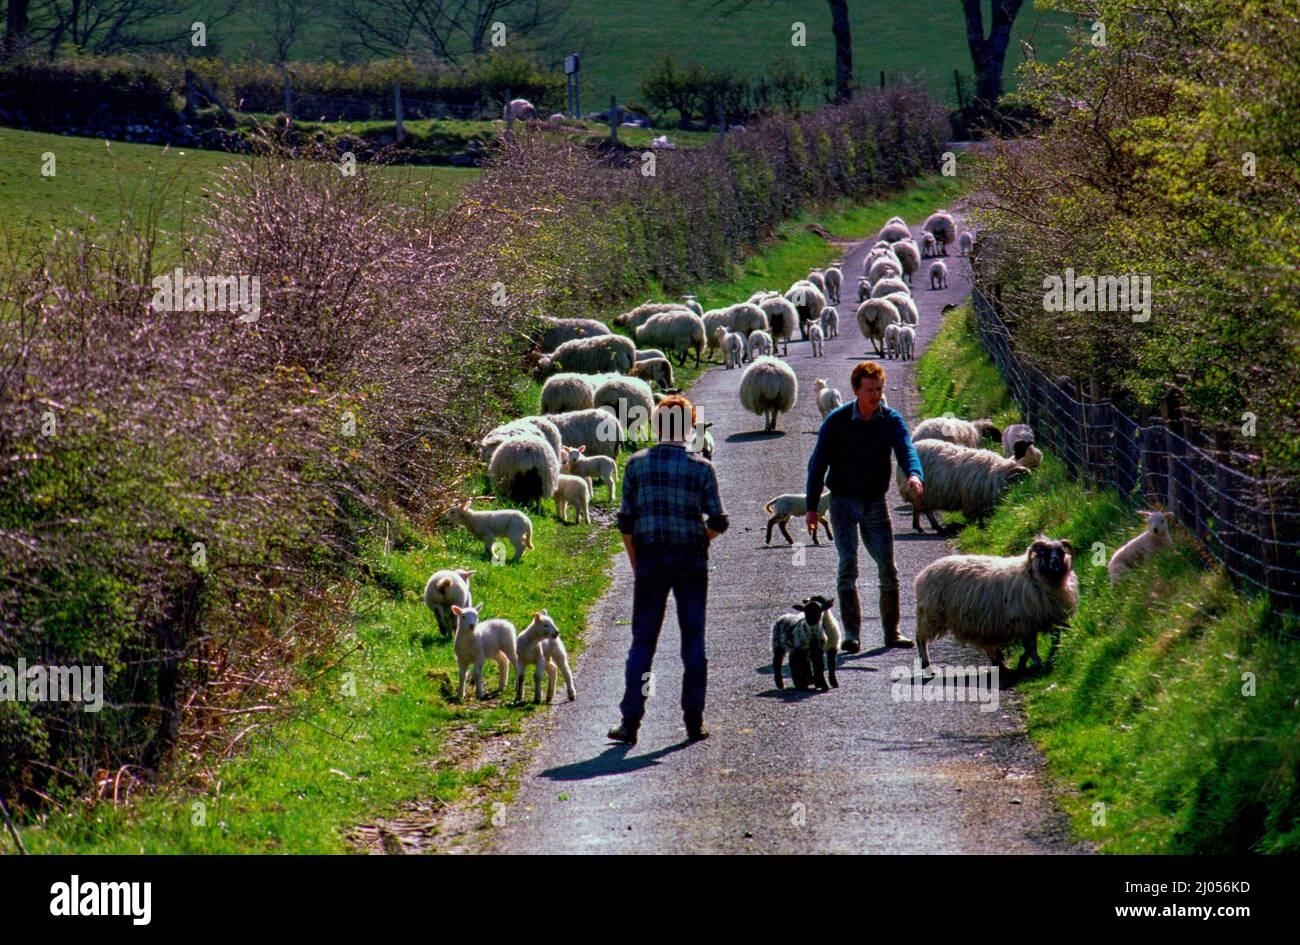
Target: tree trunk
[[843, 50], [988, 55], [15, 24]]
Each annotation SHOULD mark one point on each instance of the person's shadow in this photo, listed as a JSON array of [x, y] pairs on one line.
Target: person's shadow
[[613, 760]]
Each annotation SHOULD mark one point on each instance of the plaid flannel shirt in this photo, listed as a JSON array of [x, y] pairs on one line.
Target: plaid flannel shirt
[[667, 494]]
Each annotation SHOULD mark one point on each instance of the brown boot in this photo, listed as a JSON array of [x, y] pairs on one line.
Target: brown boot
[[851, 617], [889, 616]]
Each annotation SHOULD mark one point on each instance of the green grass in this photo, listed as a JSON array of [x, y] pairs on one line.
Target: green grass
[[1144, 709]]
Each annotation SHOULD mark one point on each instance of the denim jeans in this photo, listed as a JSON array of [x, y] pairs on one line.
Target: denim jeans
[[849, 517], [686, 574]]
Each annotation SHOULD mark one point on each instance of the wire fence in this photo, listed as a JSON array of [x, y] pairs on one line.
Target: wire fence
[[1249, 524]]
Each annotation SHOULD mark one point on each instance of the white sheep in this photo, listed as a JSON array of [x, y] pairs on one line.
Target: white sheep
[[834, 283], [659, 370], [874, 317], [746, 318], [599, 354], [944, 229], [817, 278], [539, 646], [958, 479], [909, 257], [631, 400], [989, 602], [678, 332], [511, 524], [928, 246], [734, 347], [476, 643], [884, 267], [808, 301], [907, 313], [564, 392], [795, 505], [760, 344], [864, 290], [714, 319], [830, 322], [817, 338], [828, 398], [599, 468], [599, 430], [641, 314], [938, 276], [443, 589], [525, 426], [524, 469], [649, 354], [892, 232], [892, 349], [968, 433], [1018, 444], [965, 243], [768, 388], [573, 491], [1155, 536], [782, 317], [556, 331], [693, 305], [907, 342], [520, 109], [810, 636], [889, 286]]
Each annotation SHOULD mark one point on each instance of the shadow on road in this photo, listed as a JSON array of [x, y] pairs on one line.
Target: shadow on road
[[613, 760], [755, 436]]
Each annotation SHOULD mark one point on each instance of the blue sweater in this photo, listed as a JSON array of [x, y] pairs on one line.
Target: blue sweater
[[857, 453]]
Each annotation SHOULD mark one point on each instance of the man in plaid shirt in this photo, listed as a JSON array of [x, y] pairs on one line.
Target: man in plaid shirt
[[670, 513]]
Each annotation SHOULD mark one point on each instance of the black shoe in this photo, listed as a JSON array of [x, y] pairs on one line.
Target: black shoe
[[623, 733], [696, 733], [849, 645]]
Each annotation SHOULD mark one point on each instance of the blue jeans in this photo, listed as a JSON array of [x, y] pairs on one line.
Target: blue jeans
[[870, 518], [686, 574]]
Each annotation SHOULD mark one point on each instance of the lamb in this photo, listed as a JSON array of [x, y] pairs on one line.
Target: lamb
[[830, 321], [958, 479], [679, 332], [965, 243], [573, 491], [808, 301], [907, 342], [781, 319], [892, 232], [909, 257], [601, 468], [659, 370], [989, 602], [511, 524], [768, 387], [902, 301], [564, 392], [968, 433], [524, 469], [817, 338], [818, 279], [874, 317], [556, 331], [1155, 536], [599, 430], [892, 348], [630, 399], [944, 229], [734, 347], [539, 646], [714, 319], [599, 354], [760, 344], [638, 316], [928, 246], [443, 589], [864, 290], [795, 505], [810, 634], [476, 643], [889, 286], [1018, 444], [834, 283], [828, 398], [525, 426], [520, 109], [938, 276]]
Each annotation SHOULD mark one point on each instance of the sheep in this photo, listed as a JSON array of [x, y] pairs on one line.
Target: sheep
[[968, 433], [817, 278], [896, 219], [539, 646], [944, 229], [817, 338], [810, 634], [564, 392], [889, 286], [524, 469], [808, 301], [1153, 537], [601, 468], [907, 342], [830, 321], [989, 602], [700, 434], [928, 246], [909, 257], [630, 399], [659, 370], [781, 319], [883, 267], [714, 319], [892, 349], [599, 430], [892, 232], [864, 290], [443, 589], [938, 276], [958, 479], [556, 331], [573, 491], [476, 643], [693, 305], [520, 109], [965, 243], [525, 426], [907, 313], [768, 387], [638, 316], [760, 343], [795, 505], [874, 316], [599, 354], [678, 332], [734, 347], [511, 524], [828, 398], [747, 318], [834, 282], [1018, 444], [647, 354]]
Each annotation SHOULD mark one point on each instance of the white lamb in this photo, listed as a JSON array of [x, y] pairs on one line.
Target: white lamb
[[714, 319], [573, 491], [599, 468], [907, 342], [817, 338], [834, 283], [734, 348], [768, 388], [539, 646], [965, 243], [938, 276], [760, 344], [795, 505], [864, 290], [928, 246], [476, 643], [830, 321], [511, 524], [892, 349], [443, 589], [1154, 537], [828, 398]]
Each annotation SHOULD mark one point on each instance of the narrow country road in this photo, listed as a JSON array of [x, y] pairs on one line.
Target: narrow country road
[[846, 771]]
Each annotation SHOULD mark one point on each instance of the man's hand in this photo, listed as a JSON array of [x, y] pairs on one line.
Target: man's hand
[[914, 484], [631, 551], [811, 520], [712, 534]]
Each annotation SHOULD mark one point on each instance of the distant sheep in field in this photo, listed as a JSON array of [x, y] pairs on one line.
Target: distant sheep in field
[[1155, 536], [476, 643], [573, 491], [907, 313], [539, 646], [958, 479], [944, 229], [760, 344], [990, 602], [795, 505], [808, 301], [443, 589], [677, 332], [638, 316], [828, 398], [874, 317], [602, 468], [817, 339], [1018, 444], [782, 317], [600, 354], [524, 469], [889, 286], [511, 524], [556, 331], [969, 433], [520, 109], [965, 243], [830, 322], [659, 370], [769, 388], [525, 426], [564, 392], [811, 636], [907, 342], [834, 283]]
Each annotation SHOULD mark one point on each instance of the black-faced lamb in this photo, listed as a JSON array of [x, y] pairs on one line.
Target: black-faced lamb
[[678, 332], [958, 479], [971, 433], [1154, 536], [938, 276], [539, 646], [511, 524], [944, 229], [768, 388], [1018, 444], [479, 641], [444, 588], [811, 637], [795, 505], [864, 290], [524, 469]]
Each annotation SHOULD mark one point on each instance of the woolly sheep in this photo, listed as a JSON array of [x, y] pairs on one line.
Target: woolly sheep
[[864, 290], [938, 276], [659, 370], [760, 343], [602, 468], [630, 399], [892, 349], [443, 589], [808, 301], [895, 219], [520, 109], [828, 398], [830, 322], [1152, 538], [989, 602], [511, 524], [747, 318], [535, 426], [781, 319], [893, 232], [599, 430], [573, 491], [477, 642], [556, 331], [524, 469], [958, 479], [965, 243], [968, 433], [795, 505], [539, 646], [944, 229], [883, 267], [641, 314], [907, 313], [734, 347], [1018, 444], [714, 319], [677, 332], [834, 283], [596, 355], [768, 388], [693, 305], [909, 257], [889, 286], [907, 342], [646, 354], [817, 338], [928, 246], [874, 316], [811, 635], [564, 392], [817, 278]]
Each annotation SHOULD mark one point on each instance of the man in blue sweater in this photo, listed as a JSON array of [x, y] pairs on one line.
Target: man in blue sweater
[[854, 444]]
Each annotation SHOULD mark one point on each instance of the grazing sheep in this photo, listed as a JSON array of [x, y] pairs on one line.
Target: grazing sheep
[[795, 505], [525, 426], [938, 276], [659, 370], [928, 246], [600, 354], [573, 491], [893, 232], [768, 388], [884, 267], [714, 319], [874, 316], [647, 354], [556, 331], [781, 319], [678, 332], [760, 343], [968, 433], [830, 321], [989, 602], [600, 468], [443, 589], [539, 646], [907, 342], [965, 243], [817, 338], [909, 257], [864, 290], [834, 283], [564, 392], [902, 301], [476, 643], [524, 469], [520, 109], [828, 398], [807, 636], [808, 301], [958, 479], [892, 349], [944, 229], [1155, 536], [889, 286], [599, 430], [631, 400], [511, 524], [1018, 444], [641, 314], [747, 318], [817, 278]]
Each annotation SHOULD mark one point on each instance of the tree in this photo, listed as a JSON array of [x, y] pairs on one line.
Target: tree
[[989, 54], [15, 25], [111, 26], [283, 18], [843, 41], [451, 29]]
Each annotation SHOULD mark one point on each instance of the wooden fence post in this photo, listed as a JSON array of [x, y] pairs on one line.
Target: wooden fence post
[[288, 96], [510, 112], [400, 132], [613, 120]]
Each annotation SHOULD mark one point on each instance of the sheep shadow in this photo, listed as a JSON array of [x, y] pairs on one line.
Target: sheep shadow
[[614, 760], [755, 436], [789, 693]]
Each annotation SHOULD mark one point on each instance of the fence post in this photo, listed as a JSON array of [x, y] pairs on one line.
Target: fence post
[[400, 132], [722, 117], [190, 106], [613, 120], [1226, 505], [956, 81], [882, 78], [510, 112], [1266, 528]]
